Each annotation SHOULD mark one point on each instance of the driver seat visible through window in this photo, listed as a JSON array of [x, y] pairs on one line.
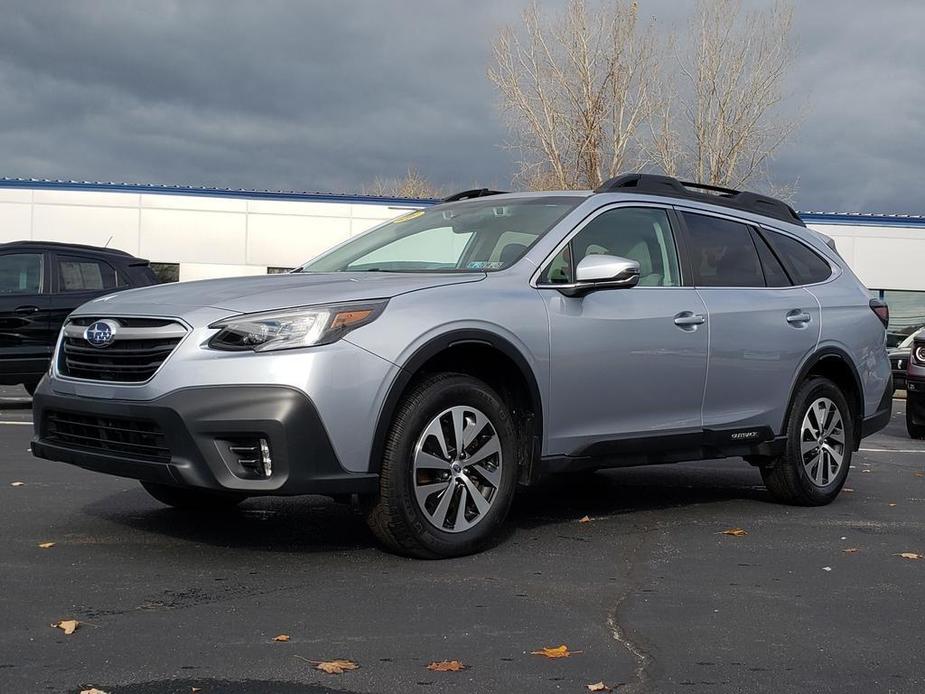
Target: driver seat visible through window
[[637, 233]]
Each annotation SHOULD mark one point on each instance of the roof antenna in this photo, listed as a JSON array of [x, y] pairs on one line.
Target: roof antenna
[[106, 245]]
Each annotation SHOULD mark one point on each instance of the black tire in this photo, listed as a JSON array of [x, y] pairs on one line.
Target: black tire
[[193, 499], [395, 516], [786, 477], [30, 387], [915, 431]]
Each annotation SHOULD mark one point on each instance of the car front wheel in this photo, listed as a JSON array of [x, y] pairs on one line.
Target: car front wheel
[[448, 471], [820, 432]]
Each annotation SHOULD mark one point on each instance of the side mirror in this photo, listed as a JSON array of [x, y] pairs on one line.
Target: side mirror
[[603, 272]]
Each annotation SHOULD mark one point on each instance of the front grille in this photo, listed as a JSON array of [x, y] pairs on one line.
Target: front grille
[[139, 346], [133, 438]]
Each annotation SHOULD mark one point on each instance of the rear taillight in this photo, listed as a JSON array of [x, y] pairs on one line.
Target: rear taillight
[[882, 310]]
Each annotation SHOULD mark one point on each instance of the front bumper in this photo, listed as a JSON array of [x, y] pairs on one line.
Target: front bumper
[[915, 401], [194, 425]]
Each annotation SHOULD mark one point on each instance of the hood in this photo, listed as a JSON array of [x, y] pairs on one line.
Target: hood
[[270, 292]]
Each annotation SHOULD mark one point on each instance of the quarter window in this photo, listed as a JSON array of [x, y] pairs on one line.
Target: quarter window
[[722, 253], [642, 234], [774, 273], [804, 265], [85, 275], [21, 273]]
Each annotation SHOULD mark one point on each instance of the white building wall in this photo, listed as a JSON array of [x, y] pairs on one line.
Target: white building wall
[[208, 236], [883, 257], [216, 236]]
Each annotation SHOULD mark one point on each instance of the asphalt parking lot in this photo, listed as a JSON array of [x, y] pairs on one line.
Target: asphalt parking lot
[[649, 595]]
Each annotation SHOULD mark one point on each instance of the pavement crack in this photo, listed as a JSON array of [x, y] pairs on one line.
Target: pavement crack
[[642, 659]]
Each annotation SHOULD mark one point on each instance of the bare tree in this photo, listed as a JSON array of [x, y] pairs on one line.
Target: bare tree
[[574, 89], [716, 114], [412, 185]]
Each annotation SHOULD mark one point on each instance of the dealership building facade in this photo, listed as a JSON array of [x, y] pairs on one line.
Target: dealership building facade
[[197, 233]]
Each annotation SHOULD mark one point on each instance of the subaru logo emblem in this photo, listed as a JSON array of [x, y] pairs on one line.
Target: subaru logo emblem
[[100, 333]]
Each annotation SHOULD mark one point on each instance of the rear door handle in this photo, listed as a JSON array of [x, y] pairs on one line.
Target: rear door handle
[[26, 310], [797, 316], [689, 319]]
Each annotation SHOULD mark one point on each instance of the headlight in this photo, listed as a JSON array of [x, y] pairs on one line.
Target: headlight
[[295, 327], [918, 354]]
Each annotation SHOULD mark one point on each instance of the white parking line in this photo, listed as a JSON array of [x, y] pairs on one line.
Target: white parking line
[[889, 450], [29, 423]]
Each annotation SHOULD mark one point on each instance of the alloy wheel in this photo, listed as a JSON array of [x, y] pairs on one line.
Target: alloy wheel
[[822, 442], [457, 468]]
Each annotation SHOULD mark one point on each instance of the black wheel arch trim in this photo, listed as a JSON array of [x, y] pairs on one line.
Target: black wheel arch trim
[[432, 348], [829, 352]]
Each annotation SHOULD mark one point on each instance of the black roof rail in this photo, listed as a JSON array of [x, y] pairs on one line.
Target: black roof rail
[[702, 192], [63, 245], [474, 193]]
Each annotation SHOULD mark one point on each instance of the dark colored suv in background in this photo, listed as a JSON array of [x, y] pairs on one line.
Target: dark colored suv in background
[[915, 388], [40, 284]]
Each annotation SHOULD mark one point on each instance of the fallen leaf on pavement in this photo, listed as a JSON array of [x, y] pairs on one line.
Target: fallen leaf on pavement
[[195, 689], [68, 626], [847, 490], [92, 690], [584, 519], [891, 505], [598, 687], [16, 484], [910, 555], [281, 637], [557, 652], [446, 666], [46, 545], [851, 550], [332, 667], [735, 532], [914, 474], [336, 667]]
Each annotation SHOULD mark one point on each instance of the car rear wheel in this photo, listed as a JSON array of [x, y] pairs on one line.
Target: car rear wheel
[[448, 470], [820, 432], [192, 499]]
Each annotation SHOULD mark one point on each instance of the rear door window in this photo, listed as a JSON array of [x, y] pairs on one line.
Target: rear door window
[[21, 273], [722, 252], [804, 265], [77, 274]]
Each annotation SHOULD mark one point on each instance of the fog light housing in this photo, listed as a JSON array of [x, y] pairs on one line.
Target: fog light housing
[[252, 455], [266, 461]]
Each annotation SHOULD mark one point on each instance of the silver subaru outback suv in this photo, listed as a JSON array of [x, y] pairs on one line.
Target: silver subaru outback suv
[[431, 365]]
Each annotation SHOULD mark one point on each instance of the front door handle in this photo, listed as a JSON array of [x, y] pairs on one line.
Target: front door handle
[[689, 320], [26, 310], [798, 317]]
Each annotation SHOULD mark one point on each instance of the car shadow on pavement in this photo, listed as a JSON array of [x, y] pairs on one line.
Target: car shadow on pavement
[[316, 524], [280, 524], [569, 497], [18, 404]]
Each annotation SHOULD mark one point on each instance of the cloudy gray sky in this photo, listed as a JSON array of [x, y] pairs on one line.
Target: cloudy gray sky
[[304, 95]]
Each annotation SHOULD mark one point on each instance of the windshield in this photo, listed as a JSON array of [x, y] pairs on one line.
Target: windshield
[[473, 236], [909, 340]]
